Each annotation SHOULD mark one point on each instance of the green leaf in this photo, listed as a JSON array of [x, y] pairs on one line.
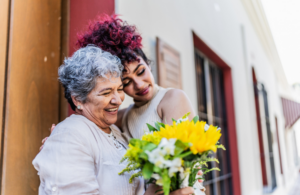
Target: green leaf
[[184, 154], [166, 182], [179, 147], [174, 182], [174, 120], [149, 147], [212, 169], [157, 126], [161, 124], [148, 170], [196, 119], [186, 115], [144, 156], [221, 146], [157, 169], [151, 128]]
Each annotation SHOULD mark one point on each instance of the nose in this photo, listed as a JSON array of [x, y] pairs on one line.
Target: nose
[[117, 100], [138, 84]]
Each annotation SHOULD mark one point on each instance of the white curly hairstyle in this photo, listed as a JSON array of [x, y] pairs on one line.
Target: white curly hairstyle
[[79, 73]]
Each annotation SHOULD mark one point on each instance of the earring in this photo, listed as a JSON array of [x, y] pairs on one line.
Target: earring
[[78, 107]]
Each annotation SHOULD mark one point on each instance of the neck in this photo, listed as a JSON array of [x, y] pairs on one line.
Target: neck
[[103, 126]]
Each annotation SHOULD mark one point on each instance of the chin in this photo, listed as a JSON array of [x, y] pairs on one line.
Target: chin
[[145, 97], [111, 120]]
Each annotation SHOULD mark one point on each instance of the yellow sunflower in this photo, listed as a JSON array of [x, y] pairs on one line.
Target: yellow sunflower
[[194, 133]]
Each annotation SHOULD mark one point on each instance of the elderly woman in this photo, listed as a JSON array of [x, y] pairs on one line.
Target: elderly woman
[[89, 162], [82, 154]]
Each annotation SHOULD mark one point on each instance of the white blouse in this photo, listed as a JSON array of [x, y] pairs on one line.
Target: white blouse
[[79, 158]]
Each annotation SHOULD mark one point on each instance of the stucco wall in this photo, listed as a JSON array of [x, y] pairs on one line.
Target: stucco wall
[[225, 28]]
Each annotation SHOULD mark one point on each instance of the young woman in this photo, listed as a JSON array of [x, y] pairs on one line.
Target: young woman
[[151, 102]]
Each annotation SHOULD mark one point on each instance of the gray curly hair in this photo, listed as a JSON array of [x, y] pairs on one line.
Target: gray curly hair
[[79, 73]]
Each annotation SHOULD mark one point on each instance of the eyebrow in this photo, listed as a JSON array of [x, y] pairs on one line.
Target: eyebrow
[[137, 67], [109, 88], [104, 89]]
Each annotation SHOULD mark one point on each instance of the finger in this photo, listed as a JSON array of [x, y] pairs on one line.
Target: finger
[[53, 126], [45, 139], [200, 180], [200, 172], [41, 147]]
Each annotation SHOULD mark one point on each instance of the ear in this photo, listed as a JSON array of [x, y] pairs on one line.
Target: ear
[[75, 101]]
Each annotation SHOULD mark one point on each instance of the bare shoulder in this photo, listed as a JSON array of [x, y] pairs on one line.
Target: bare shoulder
[[172, 97]]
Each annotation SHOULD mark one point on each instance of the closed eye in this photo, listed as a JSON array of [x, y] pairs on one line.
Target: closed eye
[[126, 84], [140, 73]]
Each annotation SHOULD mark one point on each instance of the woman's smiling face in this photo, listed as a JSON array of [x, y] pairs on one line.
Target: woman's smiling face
[[138, 81], [104, 101]]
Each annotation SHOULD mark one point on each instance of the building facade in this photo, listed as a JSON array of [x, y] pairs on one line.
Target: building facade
[[221, 53]]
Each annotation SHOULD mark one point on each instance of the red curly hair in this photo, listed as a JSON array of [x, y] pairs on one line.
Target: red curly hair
[[113, 35]]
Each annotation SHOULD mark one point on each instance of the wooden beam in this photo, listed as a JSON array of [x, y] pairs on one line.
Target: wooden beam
[[4, 18], [32, 100]]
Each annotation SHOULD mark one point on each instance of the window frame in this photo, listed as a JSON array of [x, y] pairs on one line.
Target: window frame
[[209, 116]]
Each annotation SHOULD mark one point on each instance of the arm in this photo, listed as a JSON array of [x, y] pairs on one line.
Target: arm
[[175, 104], [66, 165]]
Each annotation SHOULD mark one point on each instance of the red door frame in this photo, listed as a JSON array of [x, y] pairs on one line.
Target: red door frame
[[229, 101], [81, 12], [259, 132]]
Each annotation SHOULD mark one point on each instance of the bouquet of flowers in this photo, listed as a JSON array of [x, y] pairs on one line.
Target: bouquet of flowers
[[172, 155]]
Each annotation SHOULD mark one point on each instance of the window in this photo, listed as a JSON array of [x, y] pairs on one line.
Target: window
[[265, 110], [211, 108]]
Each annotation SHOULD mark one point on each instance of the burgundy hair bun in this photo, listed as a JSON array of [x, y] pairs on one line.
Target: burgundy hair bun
[[113, 35]]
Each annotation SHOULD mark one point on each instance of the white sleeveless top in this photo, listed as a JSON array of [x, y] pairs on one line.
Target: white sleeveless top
[[79, 158], [135, 117]]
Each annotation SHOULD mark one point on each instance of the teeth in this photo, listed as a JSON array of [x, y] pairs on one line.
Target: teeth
[[112, 110]]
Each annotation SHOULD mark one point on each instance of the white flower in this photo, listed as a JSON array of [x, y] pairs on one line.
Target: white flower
[[175, 166], [181, 120], [157, 178], [160, 162], [185, 178], [156, 157], [206, 127], [162, 143], [169, 148]]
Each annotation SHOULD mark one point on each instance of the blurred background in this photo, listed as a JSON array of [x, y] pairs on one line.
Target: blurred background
[[237, 60]]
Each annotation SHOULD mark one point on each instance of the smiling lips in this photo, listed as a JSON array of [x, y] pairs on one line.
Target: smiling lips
[[112, 110], [143, 91]]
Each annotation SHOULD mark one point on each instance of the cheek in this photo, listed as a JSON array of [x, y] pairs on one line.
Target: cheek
[[129, 90], [122, 96], [149, 77], [99, 103]]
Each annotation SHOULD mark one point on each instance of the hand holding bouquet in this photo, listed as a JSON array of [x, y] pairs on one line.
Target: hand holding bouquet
[[172, 155]]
